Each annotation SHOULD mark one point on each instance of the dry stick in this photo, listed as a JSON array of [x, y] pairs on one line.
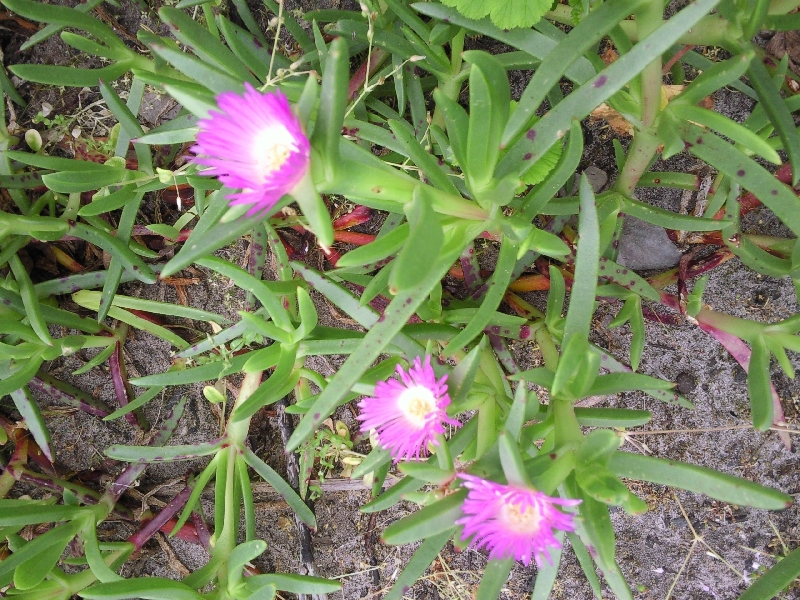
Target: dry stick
[[293, 476]]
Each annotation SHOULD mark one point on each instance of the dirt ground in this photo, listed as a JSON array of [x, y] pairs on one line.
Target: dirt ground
[[687, 546]]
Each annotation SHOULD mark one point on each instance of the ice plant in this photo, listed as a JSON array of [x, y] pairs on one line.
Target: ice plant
[[256, 144], [512, 521], [408, 414]]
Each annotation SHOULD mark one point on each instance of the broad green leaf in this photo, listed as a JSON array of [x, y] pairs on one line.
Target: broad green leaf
[[144, 588], [33, 571], [713, 78], [247, 47], [333, 100], [240, 556], [215, 79], [581, 305], [29, 300], [207, 372], [600, 88], [16, 377], [34, 421], [150, 454], [457, 122], [103, 204], [684, 181], [71, 76], [427, 163], [207, 47], [33, 514], [527, 40], [365, 316], [84, 181], [251, 284], [489, 105], [614, 383], [284, 489], [567, 52], [59, 536], [778, 114], [546, 574], [315, 211], [720, 486], [269, 391], [90, 299], [585, 560], [425, 232], [668, 219], [494, 578], [375, 251], [54, 163], [426, 472], [728, 128], [612, 417], [298, 584], [759, 386], [117, 249], [460, 380], [433, 519], [596, 531], [375, 459], [777, 196], [511, 461], [66, 16], [138, 402], [135, 321]]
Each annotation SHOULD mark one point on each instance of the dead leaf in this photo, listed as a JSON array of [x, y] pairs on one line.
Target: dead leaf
[[617, 122]]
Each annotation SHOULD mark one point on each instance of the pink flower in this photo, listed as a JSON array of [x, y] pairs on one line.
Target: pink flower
[[511, 521], [408, 414], [253, 143]]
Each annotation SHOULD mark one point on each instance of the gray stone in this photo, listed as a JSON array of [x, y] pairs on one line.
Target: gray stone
[[644, 246], [597, 178]]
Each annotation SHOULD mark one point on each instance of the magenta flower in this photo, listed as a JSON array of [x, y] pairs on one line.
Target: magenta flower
[[253, 143], [408, 414], [511, 521]]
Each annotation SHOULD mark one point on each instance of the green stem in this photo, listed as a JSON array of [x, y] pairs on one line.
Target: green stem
[[644, 146], [451, 87], [236, 432]]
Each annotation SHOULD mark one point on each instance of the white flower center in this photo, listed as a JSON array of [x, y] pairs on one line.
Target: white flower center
[[416, 403], [518, 518], [272, 147]]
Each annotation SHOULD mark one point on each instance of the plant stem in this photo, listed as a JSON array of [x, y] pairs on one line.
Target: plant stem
[[644, 146], [236, 432]]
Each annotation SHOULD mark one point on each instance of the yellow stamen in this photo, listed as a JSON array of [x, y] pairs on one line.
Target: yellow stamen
[[416, 404], [519, 518]]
